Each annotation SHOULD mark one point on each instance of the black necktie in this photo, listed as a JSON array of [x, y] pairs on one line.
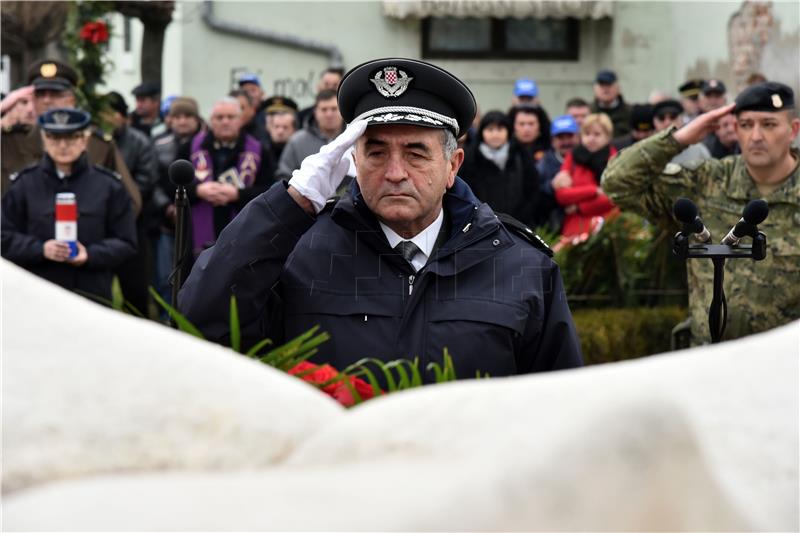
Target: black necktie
[[408, 250]]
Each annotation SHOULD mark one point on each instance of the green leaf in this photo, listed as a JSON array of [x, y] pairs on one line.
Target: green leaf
[[180, 320], [252, 352], [236, 333]]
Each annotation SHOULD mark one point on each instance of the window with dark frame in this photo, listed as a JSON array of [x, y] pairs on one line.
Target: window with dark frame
[[492, 38]]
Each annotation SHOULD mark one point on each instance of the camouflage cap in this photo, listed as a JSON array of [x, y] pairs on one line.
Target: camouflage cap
[[53, 75], [769, 96]]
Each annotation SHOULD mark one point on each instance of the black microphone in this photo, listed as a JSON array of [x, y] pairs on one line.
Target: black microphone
[[755, 212], [686, 211], [181, 172]]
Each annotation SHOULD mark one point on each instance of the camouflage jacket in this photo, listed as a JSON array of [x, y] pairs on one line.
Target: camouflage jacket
[[760, 294]]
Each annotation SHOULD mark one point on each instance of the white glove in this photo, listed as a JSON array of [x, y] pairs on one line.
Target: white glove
[[321, 174]]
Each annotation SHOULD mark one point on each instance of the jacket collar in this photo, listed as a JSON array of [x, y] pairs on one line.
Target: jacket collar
[[467, 219], [78, 166]]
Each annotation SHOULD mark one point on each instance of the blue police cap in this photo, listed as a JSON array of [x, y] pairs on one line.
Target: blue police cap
[[769, 96], [406, 91], [563, 124], [526, 87], [64, 120]]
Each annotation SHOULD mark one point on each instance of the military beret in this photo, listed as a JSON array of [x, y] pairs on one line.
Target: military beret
[[713, 86], [768, 96], [147, 88], [641, 118], [64, 120], [691, 88], [54, 75], [277, 104], [406, 91], [664, 106]]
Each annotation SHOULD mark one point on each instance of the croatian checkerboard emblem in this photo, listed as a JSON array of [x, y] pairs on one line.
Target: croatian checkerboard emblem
[[391, 82]]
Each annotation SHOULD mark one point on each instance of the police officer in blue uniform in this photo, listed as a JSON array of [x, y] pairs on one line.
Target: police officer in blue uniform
[[106, 234], [406, 263]]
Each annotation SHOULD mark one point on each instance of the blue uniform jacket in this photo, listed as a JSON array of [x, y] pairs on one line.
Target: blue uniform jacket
[[106, 224], [493, 299]]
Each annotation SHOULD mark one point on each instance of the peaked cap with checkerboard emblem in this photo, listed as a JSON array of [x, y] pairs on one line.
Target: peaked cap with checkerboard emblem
[[406, 91]]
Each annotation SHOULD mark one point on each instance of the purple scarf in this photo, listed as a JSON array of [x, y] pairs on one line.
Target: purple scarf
[[241, 176]]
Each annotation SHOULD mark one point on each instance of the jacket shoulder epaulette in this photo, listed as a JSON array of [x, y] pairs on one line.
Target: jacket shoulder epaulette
[[108, 172], [526, 233], [16, 175]]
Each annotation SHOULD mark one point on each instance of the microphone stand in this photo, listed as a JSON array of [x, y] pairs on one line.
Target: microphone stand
[[181, 214], [718, 253]]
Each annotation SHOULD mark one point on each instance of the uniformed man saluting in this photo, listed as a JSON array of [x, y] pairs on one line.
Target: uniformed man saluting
[[53, 86], [760, 295], [406, 263], [106, 234]]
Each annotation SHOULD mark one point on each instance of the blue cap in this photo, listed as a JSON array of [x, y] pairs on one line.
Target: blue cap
[[166, 103], [64, 120], [249, 77], [606, 77], [526, 87], [563, 124]]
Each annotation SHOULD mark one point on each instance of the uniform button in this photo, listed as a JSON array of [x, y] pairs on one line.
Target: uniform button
[[496, 242]]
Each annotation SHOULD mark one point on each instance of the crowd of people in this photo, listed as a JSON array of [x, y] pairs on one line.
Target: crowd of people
[[545, 172]]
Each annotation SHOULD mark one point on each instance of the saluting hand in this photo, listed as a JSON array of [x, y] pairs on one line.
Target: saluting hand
[[699, 128], [321, 174]]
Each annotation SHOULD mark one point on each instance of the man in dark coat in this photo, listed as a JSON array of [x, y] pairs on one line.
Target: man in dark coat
[[407, 263], [101, 214], [140, 158], [609, 100]]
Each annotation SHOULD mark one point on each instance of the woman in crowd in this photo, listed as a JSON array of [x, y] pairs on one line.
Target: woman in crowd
[[500, 172], [577, 185]]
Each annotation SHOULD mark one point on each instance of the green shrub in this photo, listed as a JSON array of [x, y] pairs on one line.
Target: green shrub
[[609, 335]]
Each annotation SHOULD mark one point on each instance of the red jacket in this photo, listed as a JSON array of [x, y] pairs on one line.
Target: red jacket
[[582, 193]]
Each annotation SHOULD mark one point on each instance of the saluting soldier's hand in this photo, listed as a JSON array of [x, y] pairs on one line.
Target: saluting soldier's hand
[[81, 258], [321, 174], [699, 128], [56, 250]]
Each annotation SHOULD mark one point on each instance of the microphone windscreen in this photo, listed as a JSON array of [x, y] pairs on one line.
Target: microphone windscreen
[[181, 172], [755, 212], [684, 210]]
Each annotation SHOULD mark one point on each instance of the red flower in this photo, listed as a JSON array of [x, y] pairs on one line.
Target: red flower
[[94, 32], [343, 395], [319, 374], [315, 374]]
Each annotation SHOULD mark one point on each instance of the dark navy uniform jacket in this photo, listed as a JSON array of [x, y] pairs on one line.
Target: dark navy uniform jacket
[[105, 224], [492, 298]]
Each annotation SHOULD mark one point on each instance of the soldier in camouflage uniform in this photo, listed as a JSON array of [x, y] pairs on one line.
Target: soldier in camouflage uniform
[[760, 294]]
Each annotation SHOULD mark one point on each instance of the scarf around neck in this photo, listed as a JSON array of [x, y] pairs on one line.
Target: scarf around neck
[[498, 156], [595, 161]]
